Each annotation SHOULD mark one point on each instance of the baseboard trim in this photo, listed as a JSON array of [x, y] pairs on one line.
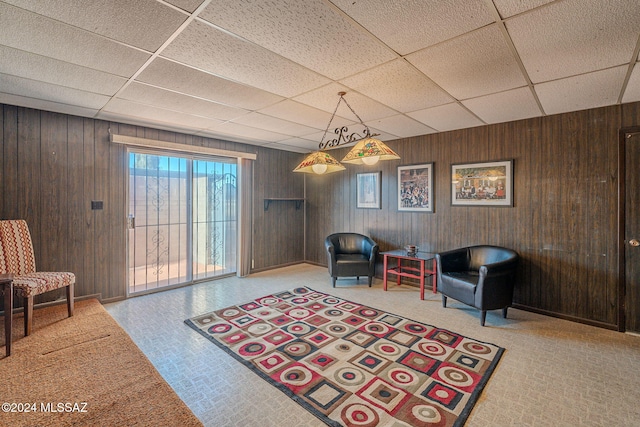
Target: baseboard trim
[[567, 317]]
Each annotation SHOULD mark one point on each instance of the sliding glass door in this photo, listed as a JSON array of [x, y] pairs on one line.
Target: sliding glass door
[[182, 220]]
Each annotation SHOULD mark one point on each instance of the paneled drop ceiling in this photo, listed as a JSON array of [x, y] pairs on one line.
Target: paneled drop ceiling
[[267, 72]]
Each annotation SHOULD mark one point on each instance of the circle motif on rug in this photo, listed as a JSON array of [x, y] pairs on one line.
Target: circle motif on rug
[[368, 312], [264, 312], [455, 376], [349, 376], [230, 312], [269, 301], [301, 291], [387, 349], [415, 328], [359, 415], [300, 300], [298, 348], [219, 328], [299, 313], [252, 349], [333, 312], [299, 328], [337, 329], [343, 347], [431, 348], [403, 377], [331, 300], [476, 348], [427, 414], [260, 329], [376, 328], [296, 376]]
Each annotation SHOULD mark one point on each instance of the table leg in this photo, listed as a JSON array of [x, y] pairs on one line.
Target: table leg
[[422, 273], [384, 273], [399, 270], [8, 316], [433, 277]]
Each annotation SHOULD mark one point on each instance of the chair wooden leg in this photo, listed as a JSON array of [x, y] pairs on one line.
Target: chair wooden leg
[[444, 301], [370, 280], [504, 312], [28, 315], [334, 281], [70, 299], [483, 315]]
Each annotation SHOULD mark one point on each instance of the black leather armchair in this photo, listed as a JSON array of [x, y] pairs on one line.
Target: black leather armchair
[[480, 276], [351, 254]]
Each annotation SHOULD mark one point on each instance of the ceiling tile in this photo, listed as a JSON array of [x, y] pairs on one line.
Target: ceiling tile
[[237, 129], [49, 92], [508, 8], [298, 145], [326, 98], [273, 124], [475, 64], [401, 126], [409, 25], [40, 104], [591, 90], [207, 48], [151, 95], [147, 25], [633, 86], [446, 117], [399, 85], [306, 32], [505, 106], [35, 67], [43, 36], [154, 115], [304, 114], [180, 78], [573, 37], [188, 5]]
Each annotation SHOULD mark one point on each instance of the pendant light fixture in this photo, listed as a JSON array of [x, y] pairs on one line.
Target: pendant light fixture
[[368, 150]]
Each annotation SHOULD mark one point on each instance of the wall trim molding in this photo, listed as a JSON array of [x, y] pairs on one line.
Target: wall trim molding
[[172, 146]]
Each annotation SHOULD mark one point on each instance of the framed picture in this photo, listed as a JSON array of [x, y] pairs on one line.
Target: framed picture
[[415, 188], [482, 184], [368, 190]]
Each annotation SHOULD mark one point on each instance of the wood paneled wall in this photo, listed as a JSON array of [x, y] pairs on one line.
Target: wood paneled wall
[[563, 223], [54, 165]]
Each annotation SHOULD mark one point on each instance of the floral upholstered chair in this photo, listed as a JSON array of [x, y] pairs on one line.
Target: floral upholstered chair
[[17, 257]]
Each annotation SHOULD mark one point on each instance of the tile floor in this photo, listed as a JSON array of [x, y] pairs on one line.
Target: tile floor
[[553, 372]]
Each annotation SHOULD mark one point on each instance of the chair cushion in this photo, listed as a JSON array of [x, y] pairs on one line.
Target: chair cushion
[[352, 259], [461, 285], [39, 282]]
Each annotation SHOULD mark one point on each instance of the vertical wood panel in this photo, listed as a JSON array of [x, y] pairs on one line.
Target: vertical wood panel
[[10, 163]]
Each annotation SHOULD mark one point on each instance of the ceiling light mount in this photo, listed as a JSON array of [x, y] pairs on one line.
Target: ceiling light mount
[[368, 150]]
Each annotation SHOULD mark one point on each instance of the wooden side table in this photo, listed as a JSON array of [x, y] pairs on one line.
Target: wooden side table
[[6, 282], [418, 273]]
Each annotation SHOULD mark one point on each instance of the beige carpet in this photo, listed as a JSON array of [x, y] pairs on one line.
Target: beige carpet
[[83, 370]]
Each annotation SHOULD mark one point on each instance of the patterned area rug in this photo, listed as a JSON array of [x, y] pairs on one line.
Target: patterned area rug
[[353, 365]]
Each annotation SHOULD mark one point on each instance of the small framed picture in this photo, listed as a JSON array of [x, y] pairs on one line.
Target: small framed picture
[[482, 184], [415, 188], [368, 190]]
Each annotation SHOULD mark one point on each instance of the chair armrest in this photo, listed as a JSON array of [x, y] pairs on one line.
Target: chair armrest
[[499, 267]]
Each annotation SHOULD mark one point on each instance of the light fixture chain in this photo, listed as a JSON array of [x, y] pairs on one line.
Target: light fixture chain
[[331, 120], [352, 110]]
